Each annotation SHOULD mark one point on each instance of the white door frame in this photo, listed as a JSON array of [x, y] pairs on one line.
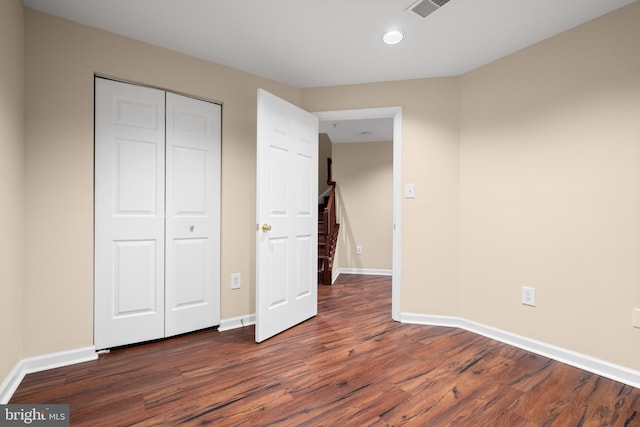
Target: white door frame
[[396, 114]]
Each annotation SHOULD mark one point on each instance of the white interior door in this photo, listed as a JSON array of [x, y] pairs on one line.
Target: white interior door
[[157, 214], [192, 215], [129, 213], [287, 216]]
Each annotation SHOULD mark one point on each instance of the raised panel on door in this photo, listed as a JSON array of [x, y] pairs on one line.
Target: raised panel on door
[[287, 174], [305, 217], [277, 272], [193, 214], [134, 290], [129, 214]]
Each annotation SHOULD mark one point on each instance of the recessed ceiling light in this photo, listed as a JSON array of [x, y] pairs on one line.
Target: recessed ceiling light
[[393, 37]]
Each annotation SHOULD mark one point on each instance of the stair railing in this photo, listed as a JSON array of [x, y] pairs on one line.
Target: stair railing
[[331, 234]]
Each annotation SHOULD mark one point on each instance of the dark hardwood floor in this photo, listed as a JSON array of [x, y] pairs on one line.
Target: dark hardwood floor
[[349, 366]]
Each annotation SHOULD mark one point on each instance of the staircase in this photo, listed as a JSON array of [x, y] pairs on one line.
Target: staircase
[[327, 235]]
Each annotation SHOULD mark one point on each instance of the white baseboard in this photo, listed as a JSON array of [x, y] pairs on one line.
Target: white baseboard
[[334, 276], [371, 271], [42, 363], [590, 364], [236, 322]]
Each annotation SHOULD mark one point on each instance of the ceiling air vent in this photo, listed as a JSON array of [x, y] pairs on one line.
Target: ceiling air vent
[[424, 8]]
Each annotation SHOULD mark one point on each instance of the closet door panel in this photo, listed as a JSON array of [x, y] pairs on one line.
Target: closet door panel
[[193, 214], [129, 214]]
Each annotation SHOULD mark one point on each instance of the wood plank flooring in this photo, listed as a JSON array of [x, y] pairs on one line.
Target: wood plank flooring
[[349, 366]]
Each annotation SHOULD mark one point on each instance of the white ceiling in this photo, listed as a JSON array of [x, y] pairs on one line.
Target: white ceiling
[[308, 43], [363, 130]]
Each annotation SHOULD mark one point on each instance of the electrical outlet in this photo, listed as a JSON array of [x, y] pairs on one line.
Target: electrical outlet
[[529, 296], [358, 250], [636, 317], [235, 281]]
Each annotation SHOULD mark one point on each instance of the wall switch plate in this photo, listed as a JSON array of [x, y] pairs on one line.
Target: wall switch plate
[[409, 191], [358, 250], [235, 281], [636, 317], [529, 296]]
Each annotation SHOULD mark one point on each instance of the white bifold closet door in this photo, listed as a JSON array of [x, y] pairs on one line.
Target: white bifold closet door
[[157, 214]]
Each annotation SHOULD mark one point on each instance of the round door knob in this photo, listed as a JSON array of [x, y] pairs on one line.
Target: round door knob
[[193, 227], [266, 227]]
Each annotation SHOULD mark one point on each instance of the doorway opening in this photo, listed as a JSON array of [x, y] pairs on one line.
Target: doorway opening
[[395, 116]]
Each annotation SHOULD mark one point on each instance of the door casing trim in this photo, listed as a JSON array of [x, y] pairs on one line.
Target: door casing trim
[[394, 112]]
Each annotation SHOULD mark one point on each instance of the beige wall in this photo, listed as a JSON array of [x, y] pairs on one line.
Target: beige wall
[[430, 110], [11, 183], [62, 58], [550, 189], [364, 173]]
